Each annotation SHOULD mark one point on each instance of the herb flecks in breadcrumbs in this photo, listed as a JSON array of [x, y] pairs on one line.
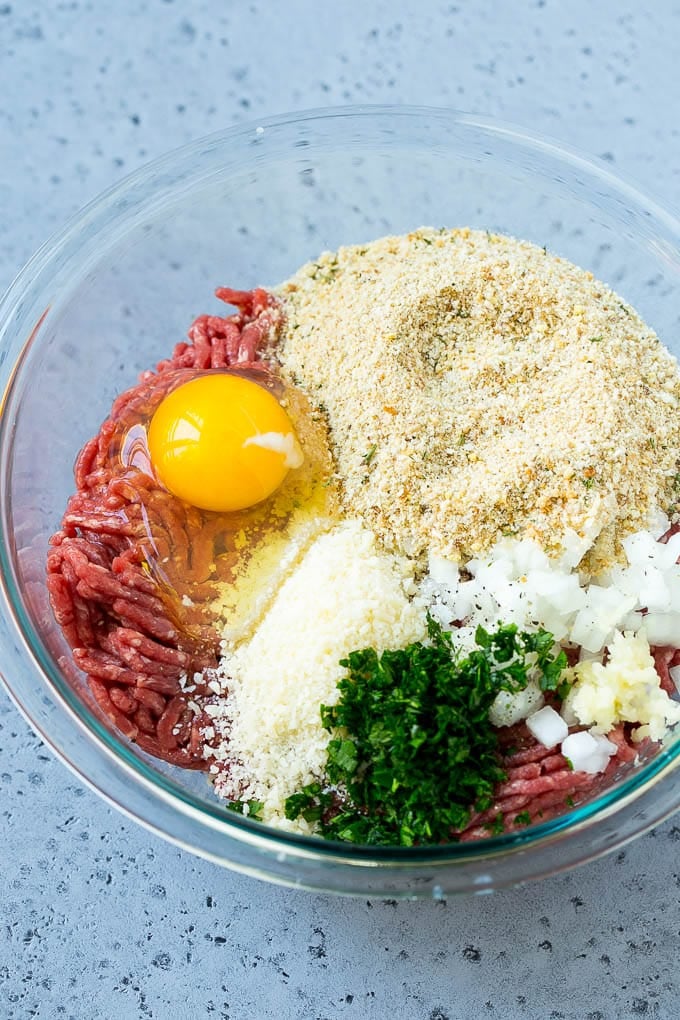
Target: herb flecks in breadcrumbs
[[541, 368]]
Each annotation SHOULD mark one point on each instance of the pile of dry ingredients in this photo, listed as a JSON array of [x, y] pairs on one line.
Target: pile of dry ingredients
[[477, 386], [501, 424]]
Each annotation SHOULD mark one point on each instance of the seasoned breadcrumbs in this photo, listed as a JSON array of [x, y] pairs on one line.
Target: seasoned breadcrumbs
[[477, 386]]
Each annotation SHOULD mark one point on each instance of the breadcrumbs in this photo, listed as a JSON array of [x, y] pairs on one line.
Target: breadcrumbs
[[477, 386]]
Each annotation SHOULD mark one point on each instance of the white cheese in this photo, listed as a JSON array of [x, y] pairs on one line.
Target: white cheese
[[345, 594]]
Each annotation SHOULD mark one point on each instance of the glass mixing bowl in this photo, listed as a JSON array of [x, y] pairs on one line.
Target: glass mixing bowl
[[112, 293]]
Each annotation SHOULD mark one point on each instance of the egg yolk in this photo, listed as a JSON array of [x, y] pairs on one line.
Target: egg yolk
[[222, 442]]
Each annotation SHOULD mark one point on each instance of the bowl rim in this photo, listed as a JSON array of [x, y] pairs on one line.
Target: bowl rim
[[97, 736], [255, 130]]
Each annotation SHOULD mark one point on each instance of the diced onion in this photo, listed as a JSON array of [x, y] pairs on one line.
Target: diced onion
[[658, 524], [515, 582], [510, 708], [662, 628], [567, 710], [443, 571], [588, 752], [547, 726]]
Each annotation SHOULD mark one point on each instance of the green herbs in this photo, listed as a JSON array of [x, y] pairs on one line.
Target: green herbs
[[370, 454], [497, 826], [324, 272], [308, 804], [367, 459], [247, 808], [519, 651], [412, 752]]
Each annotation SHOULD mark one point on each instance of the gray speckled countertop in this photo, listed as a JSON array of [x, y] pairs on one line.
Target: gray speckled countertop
[[101, 919]]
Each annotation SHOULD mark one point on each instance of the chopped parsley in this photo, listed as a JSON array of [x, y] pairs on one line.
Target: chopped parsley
[[324, 272], [308, 804], [497, 826], [523, 818], [247, 808], [370, 454], [412, 751]]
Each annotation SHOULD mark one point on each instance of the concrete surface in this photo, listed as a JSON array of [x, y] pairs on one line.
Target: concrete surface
[[99, 918]]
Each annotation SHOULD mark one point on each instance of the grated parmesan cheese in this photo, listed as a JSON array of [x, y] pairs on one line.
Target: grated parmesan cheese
[[345, 594]]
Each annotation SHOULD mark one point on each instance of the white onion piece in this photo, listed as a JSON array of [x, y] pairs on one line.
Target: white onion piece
[[441, 613], [444, 572], [510, 708], [658, 524], [547, 726], [653, 592], [567, 710], [671, 550], [574, 548], [588, 752], [633, 621], [604, 610], [605, 745], [640, 547], [662, 628], [559, 590]]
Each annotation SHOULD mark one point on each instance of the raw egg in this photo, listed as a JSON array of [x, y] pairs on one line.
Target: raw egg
[[222, 442]]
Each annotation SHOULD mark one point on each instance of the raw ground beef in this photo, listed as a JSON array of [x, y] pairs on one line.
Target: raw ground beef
[[541, 784], [138, 643], [113, 570]]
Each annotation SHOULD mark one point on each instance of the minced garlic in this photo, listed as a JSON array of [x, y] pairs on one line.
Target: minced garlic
[[625, 689]]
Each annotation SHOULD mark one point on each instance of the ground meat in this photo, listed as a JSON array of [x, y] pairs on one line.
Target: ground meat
[[540, 784], [664, 659], [142, 643]]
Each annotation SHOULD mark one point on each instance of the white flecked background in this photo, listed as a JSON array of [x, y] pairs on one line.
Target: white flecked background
[[99, 918]]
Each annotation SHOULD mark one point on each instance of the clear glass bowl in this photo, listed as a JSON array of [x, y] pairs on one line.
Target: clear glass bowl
[[113, 292]]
